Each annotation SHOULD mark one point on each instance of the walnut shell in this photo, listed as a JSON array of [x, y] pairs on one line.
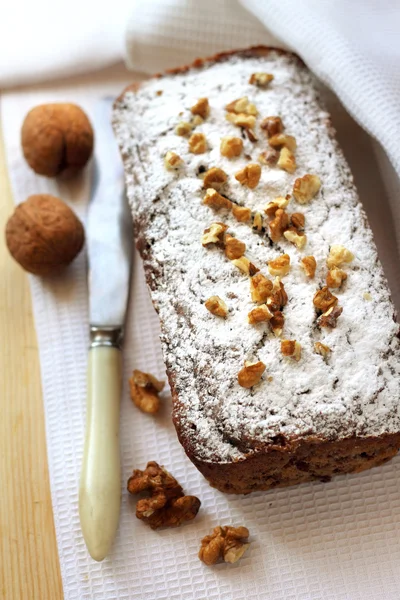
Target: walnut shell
[[57, 139], [43, 234]]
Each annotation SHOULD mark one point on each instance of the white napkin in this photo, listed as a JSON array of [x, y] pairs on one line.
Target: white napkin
[[337, 541], [46, 40]]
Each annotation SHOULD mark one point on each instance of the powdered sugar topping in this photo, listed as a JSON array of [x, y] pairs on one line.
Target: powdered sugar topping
[[356, 391]]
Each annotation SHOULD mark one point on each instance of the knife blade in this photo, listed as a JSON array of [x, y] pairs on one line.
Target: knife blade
[[109, 243]]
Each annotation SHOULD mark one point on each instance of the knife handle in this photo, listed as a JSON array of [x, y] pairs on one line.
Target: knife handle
[[100, 484]]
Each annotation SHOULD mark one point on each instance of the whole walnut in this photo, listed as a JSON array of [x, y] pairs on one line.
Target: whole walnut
[[44, 234], [57, 139]]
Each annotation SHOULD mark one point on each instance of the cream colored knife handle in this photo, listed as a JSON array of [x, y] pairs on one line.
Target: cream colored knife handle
[[100, 485]]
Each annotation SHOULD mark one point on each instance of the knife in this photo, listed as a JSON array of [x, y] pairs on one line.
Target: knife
[[109, 242]]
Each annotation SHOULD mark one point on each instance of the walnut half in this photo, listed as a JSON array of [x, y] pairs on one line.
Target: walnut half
[[226, 544], [166, 506], [144, 389]]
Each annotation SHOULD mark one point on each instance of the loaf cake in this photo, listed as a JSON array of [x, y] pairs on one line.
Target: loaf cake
[[278, 330]]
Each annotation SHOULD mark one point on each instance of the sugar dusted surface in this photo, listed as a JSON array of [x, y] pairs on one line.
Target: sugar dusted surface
[[357, 391]]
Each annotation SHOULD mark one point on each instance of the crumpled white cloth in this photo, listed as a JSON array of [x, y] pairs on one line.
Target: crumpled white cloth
[[337, 541]]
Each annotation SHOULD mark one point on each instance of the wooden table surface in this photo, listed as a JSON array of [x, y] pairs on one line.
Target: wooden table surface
[[29, 566]]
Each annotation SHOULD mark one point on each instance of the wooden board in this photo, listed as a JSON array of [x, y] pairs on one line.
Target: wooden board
[[29, 566]]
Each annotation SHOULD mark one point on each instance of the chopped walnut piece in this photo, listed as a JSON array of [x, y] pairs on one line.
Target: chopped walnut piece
[[321, 349], [144, 389], [249, 175], [278, 225], [278, 299], [197, 143], [259, 314], [338, 255], [270, 157], [167, 506], [291, 348], [196, 121], [214, 234], [215, 200], [309, 264], [261, 80], [241, 213], [330, 317], [234, 248], [214, 178], [242, 120], [258, 222], [280, 140], [279, 202], [287, 160], [298, 238], [231, 147], [201, 108], [245, 266], [272, 125], [335, 277], [298, 221], [277, 322], [241, 106], [324, 299], [251, 135], [251, 373], [172, 161], [260, 288], [305, 188], [216, 306], [279, 266], [183, 128], [224, 543]]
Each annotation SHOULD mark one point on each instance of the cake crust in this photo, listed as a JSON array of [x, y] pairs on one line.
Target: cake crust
[[328, 420]]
